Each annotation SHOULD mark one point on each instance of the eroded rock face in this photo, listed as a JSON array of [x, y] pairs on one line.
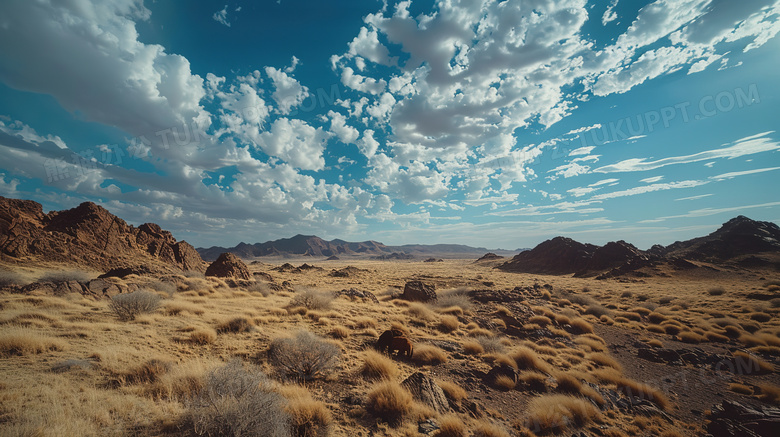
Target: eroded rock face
[[88, 235], [418, 291], [732, 419], [425, 390], [229, 266]]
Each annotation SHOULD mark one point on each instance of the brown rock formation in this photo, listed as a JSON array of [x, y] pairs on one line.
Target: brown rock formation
[[419, 292], [90, 236], [229, 266]]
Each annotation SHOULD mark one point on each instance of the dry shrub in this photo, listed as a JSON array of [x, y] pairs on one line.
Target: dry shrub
[[237, 400], [235, 325], [339, 332], [259, 287], [428, 355], [593, 345], [480, 332], [534, 380], [450, 425], [597, 310], [568, 384], [527, 359], [10, 278], [146, 373], [643, 310], [129, 305], [658, 329], [656, 318], [456, 297], [503, 311], [203, 336], [420, 312], [489, 430], [309, 417], [378, 366], [741, 388], [655, 343], [751, 363], [453, 310], [540, 320], [554, 413], [769, 393], [472, 347], [304, 356], [561, 320], [630, 315], [448, 324], [691, 337], [182, 380], [604, 360], [21, 341], [490, 344], [672, 329], [581, 326], [389, 401], [453, 391], [175, 308], [364, 322], [65, 276], [504, 383], [716, 291], [311, 299]]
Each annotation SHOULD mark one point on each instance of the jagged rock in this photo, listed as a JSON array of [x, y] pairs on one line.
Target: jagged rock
[[490, 256], [121, 272], [359, 294], [427, 426], [738, 236], [732, 419], [88, 235], [418, 291], [425, 390], [229, 266]]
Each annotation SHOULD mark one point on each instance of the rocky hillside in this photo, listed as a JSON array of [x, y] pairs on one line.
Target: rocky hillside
[[88, 235], [738, 240], [308, 245]]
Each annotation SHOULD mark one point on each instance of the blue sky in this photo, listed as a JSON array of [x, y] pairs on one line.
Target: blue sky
[[496, 124]]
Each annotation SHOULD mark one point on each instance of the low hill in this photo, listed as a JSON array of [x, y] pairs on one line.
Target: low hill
[[90, 236]]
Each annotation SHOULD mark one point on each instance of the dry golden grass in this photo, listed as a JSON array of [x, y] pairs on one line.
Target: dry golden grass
[[505, 383], [483, 429], [203, 336], [592, 345], [555, 413], [581, 326], [472, 347], [741, 388], [425, 354], [364, 322], [451, 425], [339, 332], [420, 312], [23, 341], [309, 417], [448, 324], [389, 401], [378, 366], [480, 332], [691, 337], [527, 359], [604, 360], [177, 307], [235, 325], [751, 363], [453, 391], [769, 393], [540, 320], [655, 343]]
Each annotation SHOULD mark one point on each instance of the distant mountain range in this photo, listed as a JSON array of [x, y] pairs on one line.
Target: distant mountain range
[[310, 245], [738, 242]]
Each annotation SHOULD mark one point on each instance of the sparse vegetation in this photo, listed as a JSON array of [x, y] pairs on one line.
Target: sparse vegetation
[[428, 355], [304, 356], [311, 299], [235, 325], [555, 413], [237, 400], [389, 402], [21, 341], [65, 276], [377, 366], [128, 306]]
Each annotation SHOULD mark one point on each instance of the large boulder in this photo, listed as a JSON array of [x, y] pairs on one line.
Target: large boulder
[[418, 291], [425, 390], [229, 266]]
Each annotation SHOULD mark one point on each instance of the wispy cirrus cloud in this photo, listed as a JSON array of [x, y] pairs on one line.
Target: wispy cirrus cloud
[[753, 144]]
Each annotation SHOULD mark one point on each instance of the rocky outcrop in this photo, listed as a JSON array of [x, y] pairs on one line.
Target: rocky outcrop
[[557, 256], [490, 256], [90, 236], [417, 291], [310, 245], [738, 236], [228, 265], [733, 419], [425, 390]]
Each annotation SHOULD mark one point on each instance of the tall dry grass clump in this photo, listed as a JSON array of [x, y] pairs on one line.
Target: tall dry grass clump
[[555, 413], [308, 417], [450, 425], [237, 400], [528, 359], [378, 366], [389, 402], [236, 325], [428, 355], [312, 299], [483, 429], [22, 341], [448, 324], [129, 305], [304, 356]]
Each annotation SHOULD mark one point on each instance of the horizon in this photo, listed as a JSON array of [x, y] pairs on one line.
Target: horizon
[[415, 122]]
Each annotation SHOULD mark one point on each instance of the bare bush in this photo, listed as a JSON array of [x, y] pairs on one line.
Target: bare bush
[[128, 305], [237, 400], [259, 287], [304, 356], [312, 299]]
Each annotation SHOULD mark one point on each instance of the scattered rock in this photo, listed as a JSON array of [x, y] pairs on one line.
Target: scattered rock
[[425, 390], [732, 419], [346, 272], [359, 294], [417, 291], [229, 266]]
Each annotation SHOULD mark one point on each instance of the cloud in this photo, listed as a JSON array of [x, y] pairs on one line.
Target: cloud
[[288, 92], [705, 212], [221, 16], [649, 189], [296, 142], [746, 146], [609, 14], [651, 180], [701, 196], [742, 173]]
